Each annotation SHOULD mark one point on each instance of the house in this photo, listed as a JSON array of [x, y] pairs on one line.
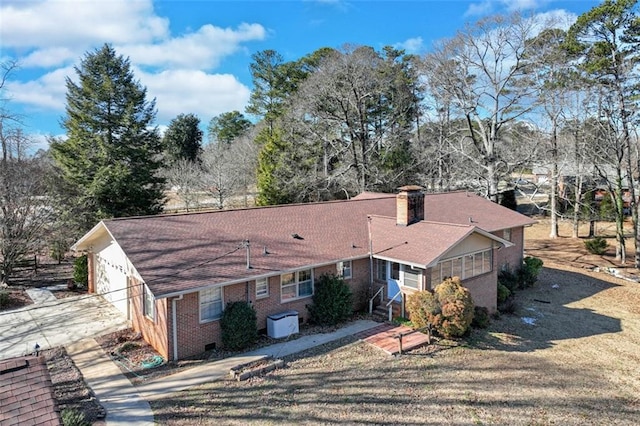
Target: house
[[173, 274], [26, 393]]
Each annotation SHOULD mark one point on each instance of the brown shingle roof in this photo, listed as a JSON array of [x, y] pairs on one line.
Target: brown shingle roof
[[419, 244], [26, 395], [176, 253]]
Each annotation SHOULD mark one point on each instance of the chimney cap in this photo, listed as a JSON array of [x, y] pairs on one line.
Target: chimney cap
[[410, 188]]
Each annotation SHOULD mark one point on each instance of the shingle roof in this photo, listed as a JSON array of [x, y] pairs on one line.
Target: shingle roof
[[176, 253], [26, 394], [419, 244]]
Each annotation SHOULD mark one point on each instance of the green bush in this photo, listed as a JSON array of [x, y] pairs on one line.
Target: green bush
[[597, 245], [73, 418], [332, 301], [4, 298], [81, 271], [528, 274], [239, 326], [508, 279], [449, 309], [503, 293], [480, 317]]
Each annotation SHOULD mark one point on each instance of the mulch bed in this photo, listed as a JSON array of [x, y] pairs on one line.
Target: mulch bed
[[18, 298], [70, 389]]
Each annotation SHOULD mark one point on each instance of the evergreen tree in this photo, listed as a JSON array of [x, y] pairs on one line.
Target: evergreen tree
[[183, 139], [108, 164], [227, 126]]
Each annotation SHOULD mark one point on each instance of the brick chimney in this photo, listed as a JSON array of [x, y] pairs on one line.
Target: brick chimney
[[409, 205]]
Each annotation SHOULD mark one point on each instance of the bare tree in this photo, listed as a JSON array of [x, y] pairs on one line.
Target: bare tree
[[483, 72], [24, 210], [185, 178]]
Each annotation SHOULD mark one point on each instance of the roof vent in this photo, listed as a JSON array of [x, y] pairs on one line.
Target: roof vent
[[297, 237]]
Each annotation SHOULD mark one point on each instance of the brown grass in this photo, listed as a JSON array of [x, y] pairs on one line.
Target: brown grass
[[578, 364]]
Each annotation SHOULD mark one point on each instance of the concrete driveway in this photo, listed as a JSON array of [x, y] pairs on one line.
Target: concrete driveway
[[52, 322]]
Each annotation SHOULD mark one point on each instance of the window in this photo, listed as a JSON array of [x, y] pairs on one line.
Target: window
[[411, 277], [211, 304], [381, 269], [295, 285], [506, 234], [395, 271], [148, 303], [466, 266], [262, 287], [344, 269]]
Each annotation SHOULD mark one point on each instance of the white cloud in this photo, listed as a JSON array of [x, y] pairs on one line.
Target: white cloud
[[194, 91], [202, 49], [486, 7], [49, 57], [411, 46], [78, 23], [46, 92]]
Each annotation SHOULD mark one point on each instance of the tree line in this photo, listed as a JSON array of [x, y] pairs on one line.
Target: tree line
[[503, 95]]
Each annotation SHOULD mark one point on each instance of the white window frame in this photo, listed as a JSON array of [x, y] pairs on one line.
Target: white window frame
[[506, 234], [262, 288], [469, 269], [203, 301], [381, 269], [344, 269], [293, 281], [148, 303], [403, 271]]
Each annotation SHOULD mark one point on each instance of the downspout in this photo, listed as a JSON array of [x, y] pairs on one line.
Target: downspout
[[370, 255], [174, 318]]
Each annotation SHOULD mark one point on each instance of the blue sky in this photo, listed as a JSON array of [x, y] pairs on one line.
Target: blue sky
[[194, 56]]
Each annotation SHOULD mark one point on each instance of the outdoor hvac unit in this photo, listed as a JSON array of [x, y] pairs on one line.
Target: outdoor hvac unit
[[283, 324]]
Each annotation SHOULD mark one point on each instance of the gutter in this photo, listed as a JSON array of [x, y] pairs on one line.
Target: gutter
[[174, 318]]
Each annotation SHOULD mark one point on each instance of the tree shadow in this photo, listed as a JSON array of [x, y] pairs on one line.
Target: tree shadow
[[545, 314]]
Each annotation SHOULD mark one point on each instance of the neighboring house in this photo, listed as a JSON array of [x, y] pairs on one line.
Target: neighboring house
[[173, 274], [26, 393]]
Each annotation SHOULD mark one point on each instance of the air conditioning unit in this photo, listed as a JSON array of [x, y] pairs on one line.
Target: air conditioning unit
[[282, 325]]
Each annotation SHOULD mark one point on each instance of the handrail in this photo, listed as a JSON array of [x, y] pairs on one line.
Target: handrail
[[391, 307], [374, 296]]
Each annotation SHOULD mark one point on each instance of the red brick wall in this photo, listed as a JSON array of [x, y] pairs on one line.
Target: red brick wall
[[511, 256], [193, 336], [153, 331]]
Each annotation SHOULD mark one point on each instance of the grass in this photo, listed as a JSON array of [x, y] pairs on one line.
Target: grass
[[577, 365]]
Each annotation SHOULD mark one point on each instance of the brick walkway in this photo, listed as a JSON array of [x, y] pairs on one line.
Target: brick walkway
[[385, 337]]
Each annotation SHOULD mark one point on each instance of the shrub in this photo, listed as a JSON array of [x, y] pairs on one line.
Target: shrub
[[422, 307], [332, 301], [480, 317], [81, 271], [528, 274], [4, 298], [449, 309], [73, 418], [457, 308], [597, 245], [509, 306], [508, 279], [503, 293], [239, 326]]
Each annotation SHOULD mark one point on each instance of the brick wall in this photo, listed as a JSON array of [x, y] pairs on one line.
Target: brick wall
[[484, 288], [154, 331], [511, 256], [194, 336]]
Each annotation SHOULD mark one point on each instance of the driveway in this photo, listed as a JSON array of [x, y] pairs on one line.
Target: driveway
[[52, 322]]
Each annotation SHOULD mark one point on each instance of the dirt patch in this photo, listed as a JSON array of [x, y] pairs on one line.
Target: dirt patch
[[573, 362], [69, 388]]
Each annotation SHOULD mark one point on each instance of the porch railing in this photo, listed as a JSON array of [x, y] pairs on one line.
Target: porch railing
[[390, 304], [381, 293]]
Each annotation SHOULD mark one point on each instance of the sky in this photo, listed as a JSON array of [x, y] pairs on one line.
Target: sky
[[194, 56]]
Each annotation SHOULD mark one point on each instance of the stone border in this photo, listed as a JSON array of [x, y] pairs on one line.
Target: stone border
[[255, 368]]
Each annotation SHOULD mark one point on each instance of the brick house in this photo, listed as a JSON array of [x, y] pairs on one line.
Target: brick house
[[173, 274]]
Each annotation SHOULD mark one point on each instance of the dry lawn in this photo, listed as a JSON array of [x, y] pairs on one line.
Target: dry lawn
[[578, 363]]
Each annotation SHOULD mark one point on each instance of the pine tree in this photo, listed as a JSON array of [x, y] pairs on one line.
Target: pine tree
[[108, 164], [183, 139]]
